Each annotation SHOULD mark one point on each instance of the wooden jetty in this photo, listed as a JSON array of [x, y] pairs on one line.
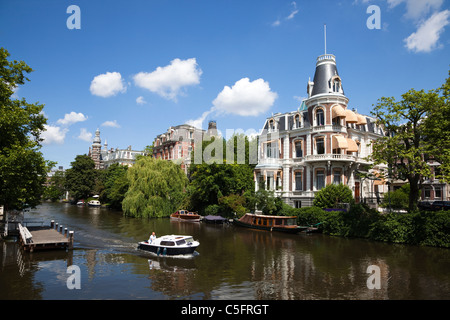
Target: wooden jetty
[[44, 238]]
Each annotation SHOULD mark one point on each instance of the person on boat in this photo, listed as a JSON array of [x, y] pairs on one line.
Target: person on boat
[[152, 237]]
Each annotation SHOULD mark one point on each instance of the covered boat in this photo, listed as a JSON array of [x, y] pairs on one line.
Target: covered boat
[[214, 219], [94, 203], [184, 215], [269, 223], [170, 245]]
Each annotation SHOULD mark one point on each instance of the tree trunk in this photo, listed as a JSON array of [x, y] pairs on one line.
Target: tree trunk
[[413, 192]]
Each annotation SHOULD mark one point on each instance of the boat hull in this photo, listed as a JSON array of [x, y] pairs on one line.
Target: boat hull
[[279, 229], [166, 250], [185, 217]]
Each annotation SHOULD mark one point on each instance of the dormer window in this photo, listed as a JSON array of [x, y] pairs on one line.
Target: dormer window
[[335, 84], [297, 121]]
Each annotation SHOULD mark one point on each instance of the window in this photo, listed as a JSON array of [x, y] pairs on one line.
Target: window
[[320, 179], [298, 181], [320, 117], [437, 193], [297, 204], [427, 192], [337, 177], [298, 149], [272, 149], [320, 145], [297, 121]]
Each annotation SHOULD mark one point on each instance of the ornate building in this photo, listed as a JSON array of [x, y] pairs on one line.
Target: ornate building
[[322, 142], [176, 144], [103, 158]]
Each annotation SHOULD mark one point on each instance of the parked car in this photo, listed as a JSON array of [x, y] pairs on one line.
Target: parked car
[[440, 205], [424, 205]]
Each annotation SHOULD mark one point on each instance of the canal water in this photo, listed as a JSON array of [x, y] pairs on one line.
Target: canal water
[[230, 263]]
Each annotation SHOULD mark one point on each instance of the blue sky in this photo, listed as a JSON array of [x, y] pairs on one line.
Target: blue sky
[[135, 68]]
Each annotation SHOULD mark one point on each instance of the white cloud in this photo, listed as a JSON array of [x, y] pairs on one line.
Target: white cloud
[[113, 124], [293, 12], [53, 134], [245, 98], [168, 81], [85, 135], [107, 84], [73, 117], [198, 123], [291, 15], [140, 100], [426, 38], [417, 9]]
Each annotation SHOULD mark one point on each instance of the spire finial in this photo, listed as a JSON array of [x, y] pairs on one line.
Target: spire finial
[[325, 36]]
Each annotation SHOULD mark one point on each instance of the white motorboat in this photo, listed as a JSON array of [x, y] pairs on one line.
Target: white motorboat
[[94, 203], [170, 245]]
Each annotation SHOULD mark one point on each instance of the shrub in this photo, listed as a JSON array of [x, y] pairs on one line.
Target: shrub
[[332, 195]]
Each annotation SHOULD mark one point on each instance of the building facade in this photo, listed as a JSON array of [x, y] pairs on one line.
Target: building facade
[[176, 144], [322, 142], [103, 158]]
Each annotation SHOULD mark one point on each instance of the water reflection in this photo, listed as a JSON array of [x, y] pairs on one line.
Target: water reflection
[[230, 263]]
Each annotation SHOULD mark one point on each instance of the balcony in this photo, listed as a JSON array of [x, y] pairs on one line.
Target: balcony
[[330, 157]]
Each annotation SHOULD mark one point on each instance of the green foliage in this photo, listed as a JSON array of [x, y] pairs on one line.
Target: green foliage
[[417, 125], [115, 184], [81, 177], [156, 188], [309, 216], [332, 195], [231, 204], [22, 166], [418, 228], [398, 199], [217, 179]]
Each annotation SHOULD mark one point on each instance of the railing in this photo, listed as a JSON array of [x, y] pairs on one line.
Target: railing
[[326, 57], [330, 156]]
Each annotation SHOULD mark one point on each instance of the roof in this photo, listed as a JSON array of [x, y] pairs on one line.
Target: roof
[[325, 70]]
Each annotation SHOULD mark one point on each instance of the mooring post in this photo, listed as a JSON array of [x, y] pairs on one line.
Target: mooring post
[[52, 224], [61, 229], [65, 232], [70, 239], [56, 226]]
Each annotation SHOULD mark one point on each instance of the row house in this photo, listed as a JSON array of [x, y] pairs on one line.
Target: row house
[[322, 142], [176, 144]]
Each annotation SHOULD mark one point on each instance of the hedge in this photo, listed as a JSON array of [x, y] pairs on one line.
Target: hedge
[[419, 228]]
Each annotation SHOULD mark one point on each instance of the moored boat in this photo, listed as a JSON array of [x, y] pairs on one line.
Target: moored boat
[[214, 219], [170, 245], [184, 215], [94, 203], [270, 223]]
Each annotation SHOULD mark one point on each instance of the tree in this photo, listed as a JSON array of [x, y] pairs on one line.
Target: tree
[[437, 132], [81, 177], [399, 199], [230, 181], [115, 185], [402, 149], [55, 187], [332, 195], [156, 188], [23, 168]]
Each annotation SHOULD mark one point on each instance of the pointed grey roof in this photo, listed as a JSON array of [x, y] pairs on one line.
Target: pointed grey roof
[[325, 70]]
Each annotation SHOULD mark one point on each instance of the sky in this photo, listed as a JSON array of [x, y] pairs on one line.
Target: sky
[[134, 68]]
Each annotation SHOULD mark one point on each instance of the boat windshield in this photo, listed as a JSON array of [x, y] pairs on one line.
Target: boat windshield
[[180, 242], [291, 222], [189, 240]]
